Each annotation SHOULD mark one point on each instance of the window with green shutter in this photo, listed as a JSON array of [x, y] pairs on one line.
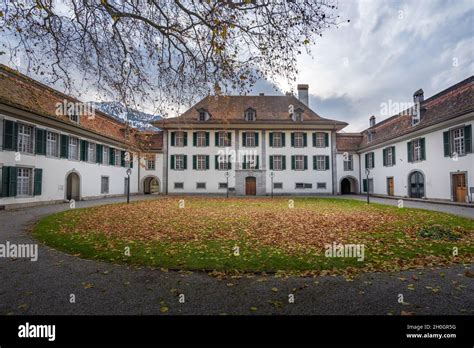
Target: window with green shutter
[[64, 153], [40, 142], [256, 139], [327, 162], [84, 147], [122, 158], [172, 161], [410, 151], [38, 180], [112, 156], [468, 139], [447, 144], [99, 153], [173, 137], [10, 135], [271, 162]]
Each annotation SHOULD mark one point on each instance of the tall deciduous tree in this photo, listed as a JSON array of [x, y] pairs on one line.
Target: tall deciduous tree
[[168, 52]]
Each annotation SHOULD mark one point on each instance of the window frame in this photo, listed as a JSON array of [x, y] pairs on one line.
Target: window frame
[[348, 163], [299, 159], [49, 141], [102, 191], [320, 159], [20, 182], [30, 150], [72, 146]]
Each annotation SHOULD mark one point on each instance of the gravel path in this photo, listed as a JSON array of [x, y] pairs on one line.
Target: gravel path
[[45, 286]]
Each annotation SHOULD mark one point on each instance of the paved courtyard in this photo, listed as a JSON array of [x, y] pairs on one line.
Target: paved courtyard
[[46, 286]]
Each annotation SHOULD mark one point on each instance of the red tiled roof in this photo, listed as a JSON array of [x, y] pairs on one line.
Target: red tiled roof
[[454, 101], [348, 141], [22, 92], [231, 109]]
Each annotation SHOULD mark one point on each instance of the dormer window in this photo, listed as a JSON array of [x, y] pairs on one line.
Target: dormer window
[[203, 115], [297, 115], [370, 136], [250, 115]]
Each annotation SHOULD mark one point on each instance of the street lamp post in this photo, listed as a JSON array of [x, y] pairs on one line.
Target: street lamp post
[[227, 174], [367, 172], [129, 172], [272, 175]]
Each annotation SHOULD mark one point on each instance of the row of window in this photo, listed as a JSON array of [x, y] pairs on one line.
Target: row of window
[[31, 140], [250, 115], [277, 162], [457, 142], [276, 185], [249, 139]]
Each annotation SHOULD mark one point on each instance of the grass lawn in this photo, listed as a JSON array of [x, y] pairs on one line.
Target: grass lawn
[[260, 235]]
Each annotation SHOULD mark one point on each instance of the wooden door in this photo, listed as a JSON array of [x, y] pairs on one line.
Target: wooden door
[[390, 189], [250, 186], [459, 187]]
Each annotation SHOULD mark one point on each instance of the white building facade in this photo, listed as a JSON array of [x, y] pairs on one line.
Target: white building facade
[[237, 145]]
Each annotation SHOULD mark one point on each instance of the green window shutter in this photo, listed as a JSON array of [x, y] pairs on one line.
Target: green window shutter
[[366, 160], [112, 156], [373, 159], [5, 181], [64, 152], [423, 149], [271, 161], [185, 138], [216, 139], [292, 139], [256, 139], [293, 162], [83, 150], [394, 157], [327, 162], [305, 140], [244, 139], [40, 142], [257, 166], [326, 139], [468, 139], [283, 139], [194, 162], [364, 184], [98, 153], [410, 152], [122, 158], [314, 162], [384, 151], [194, 138], [446, 143], [216, 162], [10, 135], [229, 137], [207, 162], [207, 138], [173, 137], [38, 181], [271, 140], [283, 162], [12, 178], [131, 160], [185, 161], [244, 163], [229, 162], [305, 162], [314, 139], [172, 162]]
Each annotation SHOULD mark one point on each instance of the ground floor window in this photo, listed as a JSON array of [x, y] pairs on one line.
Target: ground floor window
[[222, 185], [104, 184], [300, 185], [278, 185], [200, 185], [24, 182], [150, 164], [321, 185], [178, 185], [368, 185]]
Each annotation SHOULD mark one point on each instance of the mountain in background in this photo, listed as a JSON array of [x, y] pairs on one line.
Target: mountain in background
[[137, 119]]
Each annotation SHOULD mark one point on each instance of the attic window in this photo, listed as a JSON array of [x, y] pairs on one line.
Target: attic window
[[203, 115], [297, 115], [370, 136], [250, 115]]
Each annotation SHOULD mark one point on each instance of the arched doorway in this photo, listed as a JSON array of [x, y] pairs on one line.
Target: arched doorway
[[416, 185], [345, 186], [250, 186], [151, 185], [348, 185], [73, 187]]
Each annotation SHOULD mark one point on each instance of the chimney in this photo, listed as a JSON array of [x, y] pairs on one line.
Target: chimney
[[372, 121], [303, 94], [418, 96]]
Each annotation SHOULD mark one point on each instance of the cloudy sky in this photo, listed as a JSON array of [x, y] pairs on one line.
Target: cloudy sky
[[389, 50]]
